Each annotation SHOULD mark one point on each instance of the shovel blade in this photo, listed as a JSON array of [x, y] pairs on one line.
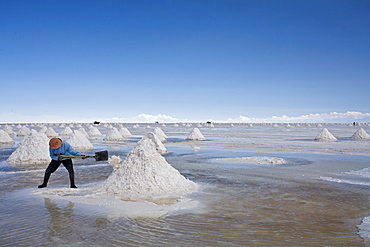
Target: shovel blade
[[100, 156]]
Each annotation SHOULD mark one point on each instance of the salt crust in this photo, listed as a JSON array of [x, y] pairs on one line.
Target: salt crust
[[195, 135], [23, 131], [34, 149], [360, 134], [325, 135], [255, 160], [5, 138], [79, 141], [160, 134]]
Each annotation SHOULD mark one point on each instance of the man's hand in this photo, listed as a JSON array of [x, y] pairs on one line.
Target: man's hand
[[60, 158]]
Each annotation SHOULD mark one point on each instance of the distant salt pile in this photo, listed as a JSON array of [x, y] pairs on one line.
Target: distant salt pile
[[148, 127], [5, 138], [136, 126], [8, 129], [79, 141], [160, 134], [50, 132], [66, 132], [113, 135], [325, 135], [125, 133], [83, 131], [43, 130], [23, 131], [34, 149], [175, 125], [195, 135], [360, 134], [157, 142], [94, 132], [144, 174], [18, 126]]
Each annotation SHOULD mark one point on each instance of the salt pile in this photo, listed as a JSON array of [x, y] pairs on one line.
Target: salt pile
[[43, 130], [79, 141], [125, 133], [34, 149], [144, 174], [195, 135], [94, 132], [24, 131], [160, 134], [5, 138], [113, 135], [157, 142], [50, 132], [325, 135], [360, 134], [83, 131], [8, 129], [66, 132]]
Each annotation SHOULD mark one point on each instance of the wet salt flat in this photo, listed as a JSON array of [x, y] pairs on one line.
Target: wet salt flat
[[319, 197]]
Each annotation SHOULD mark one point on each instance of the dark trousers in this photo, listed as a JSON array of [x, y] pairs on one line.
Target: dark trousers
[[54, 165]]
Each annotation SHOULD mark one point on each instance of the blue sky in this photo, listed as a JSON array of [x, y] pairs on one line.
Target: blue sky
[[188, 60]]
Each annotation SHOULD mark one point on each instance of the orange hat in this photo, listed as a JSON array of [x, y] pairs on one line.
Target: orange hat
[[55, 143]]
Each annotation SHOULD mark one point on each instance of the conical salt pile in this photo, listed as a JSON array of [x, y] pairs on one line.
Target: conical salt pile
[[157, 142], [94, 132], [5, 138], [79, 141], [125, 132], [66, 132], [360, 134], [113, 135], [24, 131], [8, 129], [34, 149], [195, 135], [83, 131], [325, 135], [160, 134], [145, 173], [50, 132]]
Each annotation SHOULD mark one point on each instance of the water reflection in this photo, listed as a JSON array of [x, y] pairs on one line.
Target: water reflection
[[61, 219]]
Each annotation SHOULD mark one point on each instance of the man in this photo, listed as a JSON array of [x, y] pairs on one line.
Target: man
[[58, 147]]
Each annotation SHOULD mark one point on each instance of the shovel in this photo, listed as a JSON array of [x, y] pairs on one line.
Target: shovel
[[99, 156]]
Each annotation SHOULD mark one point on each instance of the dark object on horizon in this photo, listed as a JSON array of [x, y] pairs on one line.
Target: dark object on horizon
[[208, 122], [157, 122], [96, 122], [354, 123]]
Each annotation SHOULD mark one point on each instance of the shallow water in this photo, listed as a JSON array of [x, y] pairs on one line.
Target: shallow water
[[239, 204]]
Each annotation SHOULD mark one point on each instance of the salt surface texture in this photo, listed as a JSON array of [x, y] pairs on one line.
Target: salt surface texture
[[113, 135], [157, 142], [195, 135], [360, 134], [325, 135], [34, 149], [160, 134], [79, 141], [255, 160], [144, 174], [5, 138]]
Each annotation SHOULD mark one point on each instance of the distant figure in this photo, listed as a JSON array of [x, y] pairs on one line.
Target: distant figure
[[56, 148], [354, 123]]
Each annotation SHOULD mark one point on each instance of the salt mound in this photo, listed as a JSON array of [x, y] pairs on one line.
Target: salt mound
[[83, 131], [195, 135], [43, 130], [24, 131], [157, 142], [325, 135], [113, 135], [79, 141], [125, 133], [160, 134], [5, 138], [144, 174], [360, 134], [50, 132], [94, 132], [34, 149], [8, 129], [66, 132]]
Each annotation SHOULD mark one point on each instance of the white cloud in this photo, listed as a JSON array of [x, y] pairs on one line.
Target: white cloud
[[348, 116]]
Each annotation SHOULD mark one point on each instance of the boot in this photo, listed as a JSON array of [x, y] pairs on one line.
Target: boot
[[72, 179], [46, 179]]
